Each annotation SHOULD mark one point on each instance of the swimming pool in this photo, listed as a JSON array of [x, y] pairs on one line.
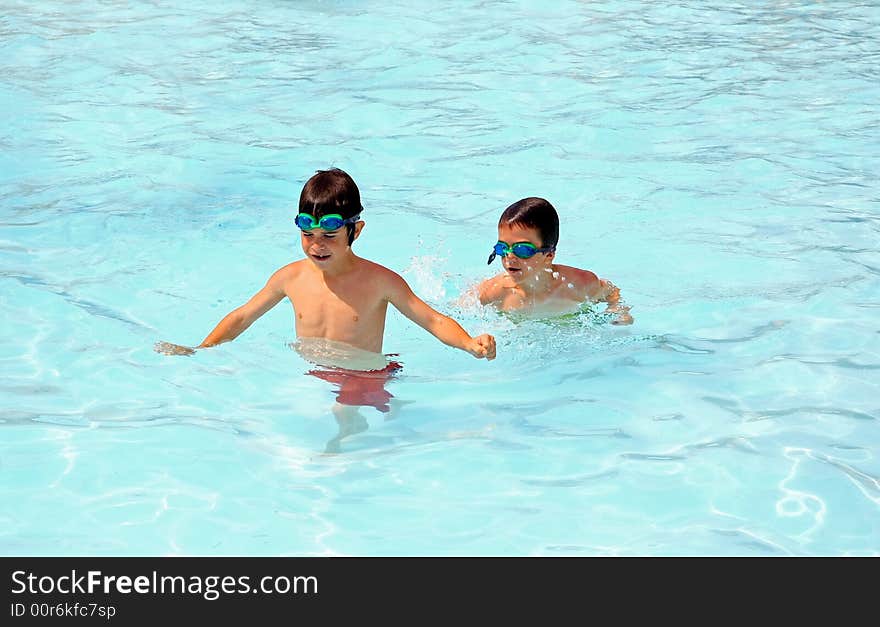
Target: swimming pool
[[719, 162]]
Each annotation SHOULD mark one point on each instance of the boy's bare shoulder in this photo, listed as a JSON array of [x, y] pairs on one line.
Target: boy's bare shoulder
[[294, 266], [493, 290], [377, 275], [584, 281], [290, 271], [377, 271], [284, 276]]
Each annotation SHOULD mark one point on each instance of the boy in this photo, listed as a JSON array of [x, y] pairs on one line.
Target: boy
[[527, 235], [337, 296]]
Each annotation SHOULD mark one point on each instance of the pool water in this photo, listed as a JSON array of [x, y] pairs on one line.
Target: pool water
[[719, 162]]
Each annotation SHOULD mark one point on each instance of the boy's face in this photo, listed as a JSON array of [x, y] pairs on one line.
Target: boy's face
[[522, 270], [326, 249]]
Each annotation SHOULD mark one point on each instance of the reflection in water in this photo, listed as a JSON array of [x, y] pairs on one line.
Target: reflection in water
[[359, 378]]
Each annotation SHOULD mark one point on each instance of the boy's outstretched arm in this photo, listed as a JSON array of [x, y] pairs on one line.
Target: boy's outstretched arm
[[442, 327], [236, 321], [241, 318]]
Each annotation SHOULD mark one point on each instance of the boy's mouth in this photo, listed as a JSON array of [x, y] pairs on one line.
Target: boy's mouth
[[318, 257]]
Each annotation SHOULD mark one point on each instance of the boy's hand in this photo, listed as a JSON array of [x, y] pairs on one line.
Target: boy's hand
[[167, 348], [621, 316], [483, 346]]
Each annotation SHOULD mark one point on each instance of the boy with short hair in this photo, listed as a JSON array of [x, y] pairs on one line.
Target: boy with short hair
[[528, 231], [336, 295]]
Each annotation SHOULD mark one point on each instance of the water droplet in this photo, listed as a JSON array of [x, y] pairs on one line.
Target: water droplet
[[571, 286]]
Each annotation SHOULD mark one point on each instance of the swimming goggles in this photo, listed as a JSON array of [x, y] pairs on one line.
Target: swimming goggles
[[329, 222], [523, 250]]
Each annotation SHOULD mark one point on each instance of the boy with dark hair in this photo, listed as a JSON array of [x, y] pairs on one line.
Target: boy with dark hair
[[338, 298], [528, 232]]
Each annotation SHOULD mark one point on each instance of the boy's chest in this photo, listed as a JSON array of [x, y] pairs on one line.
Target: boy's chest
[[551, 303], [343, 304]]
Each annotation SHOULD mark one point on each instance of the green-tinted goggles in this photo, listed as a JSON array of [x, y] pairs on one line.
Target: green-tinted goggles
[[523, 250], [329, 222]]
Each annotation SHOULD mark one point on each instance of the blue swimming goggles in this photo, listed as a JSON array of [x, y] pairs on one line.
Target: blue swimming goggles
[[329, 222], [523, 250]]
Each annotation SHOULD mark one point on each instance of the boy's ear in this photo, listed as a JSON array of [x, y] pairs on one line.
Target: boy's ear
[[358, 227]]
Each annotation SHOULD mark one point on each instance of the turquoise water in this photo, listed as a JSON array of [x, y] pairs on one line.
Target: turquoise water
[[719, 162]]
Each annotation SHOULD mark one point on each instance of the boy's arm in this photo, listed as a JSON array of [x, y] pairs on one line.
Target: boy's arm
[[607, 292], [442, 327], [241, 318], [236, 321]]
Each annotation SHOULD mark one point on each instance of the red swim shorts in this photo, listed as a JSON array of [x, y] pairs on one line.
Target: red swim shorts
[[361, 387]]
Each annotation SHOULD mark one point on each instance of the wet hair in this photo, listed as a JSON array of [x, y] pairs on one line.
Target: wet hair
[[331, 191], [534, 213]]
